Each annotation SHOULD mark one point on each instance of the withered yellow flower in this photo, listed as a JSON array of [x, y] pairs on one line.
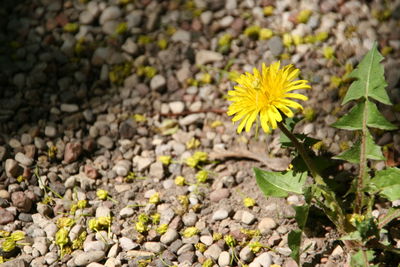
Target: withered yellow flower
[[265, 94]]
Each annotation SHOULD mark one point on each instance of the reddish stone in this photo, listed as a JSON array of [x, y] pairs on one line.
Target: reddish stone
[[196, 25], [21, 201], [51, 23], [30, 151], [61, 19], [91, 172], [5, 216], [72, 152]]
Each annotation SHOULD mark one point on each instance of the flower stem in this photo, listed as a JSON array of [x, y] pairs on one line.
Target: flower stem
[[303, 153]]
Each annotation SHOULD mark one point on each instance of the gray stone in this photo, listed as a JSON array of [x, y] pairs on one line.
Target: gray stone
[[206, 17], [275, 45], [190, 119], [105, 141], [206, 56], [127, 244], [213, 252], [23, 159], [219, 194], [158, 82], [231, 4], [169, 236], [187, 258], [40, 243], [130, 47], [246, 254], [12, 168], [156, 170], [247, 217], [185, 248], [110, 13], [51, 258], [206, 240], [176, 106], [220, 215], [86, 17], [181, 36], [224, 259], [143, 163], [266, 225], [85, 258], [69, 108], [263, 259], [153, 247], [50, 131], [103, 211], [189, 219], [94, 246], [126, 212]]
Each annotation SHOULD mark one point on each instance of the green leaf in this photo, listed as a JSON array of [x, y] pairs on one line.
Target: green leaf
[[392, 214], [376, 120], [354, 119], [352, 155], [301, 215], [388, 182], [370, 79], [294, 243], [361, 258], [278, 184]]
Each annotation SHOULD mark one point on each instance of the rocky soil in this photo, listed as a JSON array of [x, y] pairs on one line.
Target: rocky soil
[[125, 95]]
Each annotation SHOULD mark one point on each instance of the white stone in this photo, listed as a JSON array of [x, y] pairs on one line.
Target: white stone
[[157, 82], [206, 56], [110, 13]]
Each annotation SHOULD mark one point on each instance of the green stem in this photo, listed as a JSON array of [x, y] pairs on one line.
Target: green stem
[[303, 153]]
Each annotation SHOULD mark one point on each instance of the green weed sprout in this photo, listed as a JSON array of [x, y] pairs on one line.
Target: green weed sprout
[[267, 96]]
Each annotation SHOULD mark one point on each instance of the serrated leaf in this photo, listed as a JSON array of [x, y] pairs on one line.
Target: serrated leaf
[[354, 119], [376, 120], [370, 79], [301, 215], [278, 184], [352, 155], [294, 243], [388, 182]]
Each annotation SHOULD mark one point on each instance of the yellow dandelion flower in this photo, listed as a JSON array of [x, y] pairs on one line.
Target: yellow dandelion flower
[[266, 94]]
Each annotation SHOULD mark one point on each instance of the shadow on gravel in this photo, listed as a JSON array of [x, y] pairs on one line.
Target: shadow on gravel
[[39, 71]]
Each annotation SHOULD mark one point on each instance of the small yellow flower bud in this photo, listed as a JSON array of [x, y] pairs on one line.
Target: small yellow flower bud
[[8, 245], [155, 198], [102, 194], [140, 227], [180, 180], [62, 237], [202, 176], [17, 235], [162, 229], [190, 231], [155, 218], [249, 202], [217, 236], [230, 240], [165, 160], [207, 263]]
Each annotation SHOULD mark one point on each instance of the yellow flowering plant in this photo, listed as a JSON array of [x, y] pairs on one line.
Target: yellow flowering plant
[[269, 98]]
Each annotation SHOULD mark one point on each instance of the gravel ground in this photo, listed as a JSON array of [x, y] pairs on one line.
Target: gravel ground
[[93, 93]]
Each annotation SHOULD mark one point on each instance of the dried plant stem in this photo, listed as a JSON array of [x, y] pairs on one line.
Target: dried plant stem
[[303, 153]]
